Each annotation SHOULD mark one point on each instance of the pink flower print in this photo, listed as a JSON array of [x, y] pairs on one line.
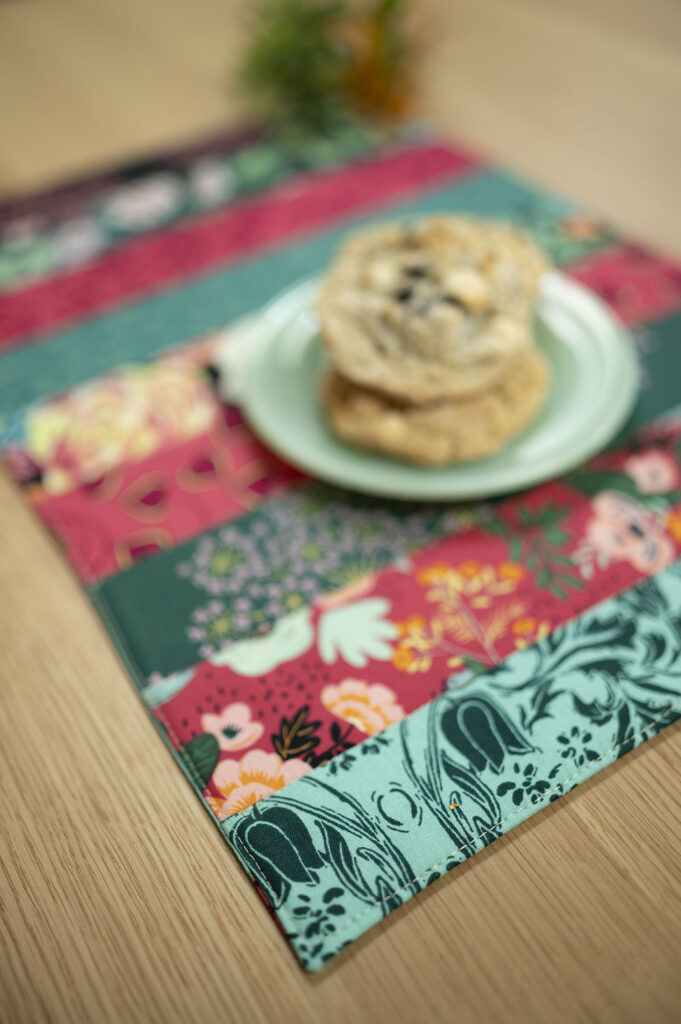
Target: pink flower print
[[370, 707], [622, 530], [245, 782], [653, 472], [233, 727]]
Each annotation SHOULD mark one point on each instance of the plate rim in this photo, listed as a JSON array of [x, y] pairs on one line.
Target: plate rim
[[280, 313]]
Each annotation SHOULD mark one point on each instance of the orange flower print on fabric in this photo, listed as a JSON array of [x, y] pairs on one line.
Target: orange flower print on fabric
[[233, 727], [673, 524], [245, 782], [472, 613], [421, 641], [370, 707], [479, 584], [528, 631]]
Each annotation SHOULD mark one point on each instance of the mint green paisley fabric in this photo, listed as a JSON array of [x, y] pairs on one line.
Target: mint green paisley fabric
[[339, 849]]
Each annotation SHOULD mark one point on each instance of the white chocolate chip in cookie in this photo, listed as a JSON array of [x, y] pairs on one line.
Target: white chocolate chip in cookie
[[469, 287], [382, 275]]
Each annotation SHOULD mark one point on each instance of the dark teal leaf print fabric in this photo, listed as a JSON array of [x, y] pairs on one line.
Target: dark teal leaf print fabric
[[339, 849]]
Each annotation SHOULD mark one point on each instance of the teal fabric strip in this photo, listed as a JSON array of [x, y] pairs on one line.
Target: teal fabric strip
[[339, 849], [217, 175], [209, 302], [660, 357], [306, 542]]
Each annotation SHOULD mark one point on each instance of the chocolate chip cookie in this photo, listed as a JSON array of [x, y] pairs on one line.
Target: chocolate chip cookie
[[444, 431], [433, 309]]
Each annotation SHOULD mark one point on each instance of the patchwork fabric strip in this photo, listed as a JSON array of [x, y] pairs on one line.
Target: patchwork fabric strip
[[287, 210], [71, 226], [209, 302], [240, 579], [370, 654], [139, 460], [342, 846], [363, 693]]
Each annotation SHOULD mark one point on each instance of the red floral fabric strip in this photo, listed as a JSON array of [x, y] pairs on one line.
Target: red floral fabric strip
[[286, 211], [265, 711]]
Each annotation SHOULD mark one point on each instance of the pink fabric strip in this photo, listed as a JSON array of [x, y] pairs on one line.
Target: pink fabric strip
[[637, 284], [134, 511], [180, 253], [378, 649]]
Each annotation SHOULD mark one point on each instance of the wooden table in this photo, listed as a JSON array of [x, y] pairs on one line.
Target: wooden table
[[120, 901]]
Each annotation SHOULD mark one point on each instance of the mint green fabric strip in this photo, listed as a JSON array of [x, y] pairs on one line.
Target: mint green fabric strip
[[175, 316], [338, 850]]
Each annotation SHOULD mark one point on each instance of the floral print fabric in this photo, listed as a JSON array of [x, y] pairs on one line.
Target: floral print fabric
[[344, 845], [558, 549], [122, 418], [136, 511], [363, 693], [331, 675], [42, 236], [197, 305], [156, 260], [141, 459], [241, 578]]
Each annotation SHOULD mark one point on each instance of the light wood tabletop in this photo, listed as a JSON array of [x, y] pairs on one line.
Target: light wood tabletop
[[120, 901]]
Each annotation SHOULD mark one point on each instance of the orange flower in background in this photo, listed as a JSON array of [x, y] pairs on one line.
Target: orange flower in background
[[402, 658], [419, 642], [528, 631], [673, 524], [469, 570], [412, 624], [434, 574], [245, 782], [479, 584], [511, 571], [370, 707]]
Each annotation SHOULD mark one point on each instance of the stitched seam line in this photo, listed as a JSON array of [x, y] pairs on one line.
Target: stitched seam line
[[105, 612], [283, 915], [111, 622]]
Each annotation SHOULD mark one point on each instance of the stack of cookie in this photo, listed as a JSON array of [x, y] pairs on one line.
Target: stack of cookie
[[429, 329]]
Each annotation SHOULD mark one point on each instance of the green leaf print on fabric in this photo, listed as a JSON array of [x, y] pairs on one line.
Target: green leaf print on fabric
[[202, 754], [480, 730], [536, 538], [379, 823]]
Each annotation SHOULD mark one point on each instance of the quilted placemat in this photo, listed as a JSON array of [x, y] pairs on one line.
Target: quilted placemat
[[363, 693]]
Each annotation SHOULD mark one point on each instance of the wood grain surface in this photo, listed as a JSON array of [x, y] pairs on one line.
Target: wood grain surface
[[120, 902]]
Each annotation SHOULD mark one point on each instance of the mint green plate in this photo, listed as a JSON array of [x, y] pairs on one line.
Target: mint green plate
[[593, 388]]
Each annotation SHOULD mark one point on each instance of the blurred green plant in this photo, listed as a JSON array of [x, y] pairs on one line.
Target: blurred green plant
[[315, 62]]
